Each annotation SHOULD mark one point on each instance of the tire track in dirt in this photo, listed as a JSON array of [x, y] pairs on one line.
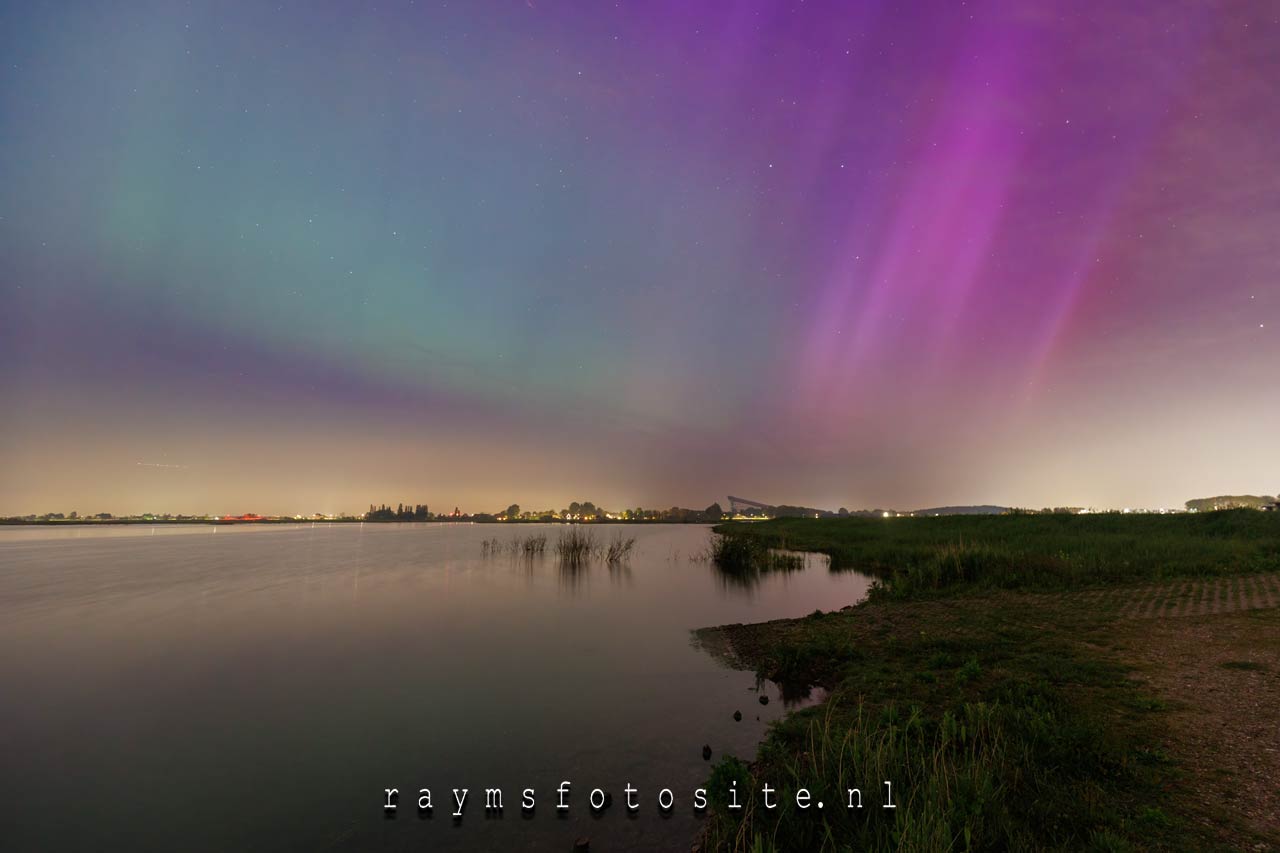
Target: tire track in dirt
[[1191, 598]]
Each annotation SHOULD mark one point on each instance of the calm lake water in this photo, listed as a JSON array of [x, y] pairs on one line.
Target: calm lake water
[[256, 688]]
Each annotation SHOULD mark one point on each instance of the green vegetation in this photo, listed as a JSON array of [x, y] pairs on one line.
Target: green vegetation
[[1004, 720], [920, 557], [743, 561], [995, 732], [746, 555]]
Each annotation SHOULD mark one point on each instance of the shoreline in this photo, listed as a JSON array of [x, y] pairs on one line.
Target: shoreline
[[1046, 716], [1098, 663]]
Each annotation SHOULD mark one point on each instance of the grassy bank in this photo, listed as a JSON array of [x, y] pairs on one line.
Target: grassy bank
[[918, 557], [991, 692]]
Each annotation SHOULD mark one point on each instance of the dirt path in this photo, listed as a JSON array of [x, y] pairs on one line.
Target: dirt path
[[1211, 650], [1189, 598]]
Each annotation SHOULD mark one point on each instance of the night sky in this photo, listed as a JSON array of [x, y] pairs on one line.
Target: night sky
[[298, 257]]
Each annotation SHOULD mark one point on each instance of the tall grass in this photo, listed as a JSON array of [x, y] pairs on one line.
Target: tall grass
[[576, 546], [734, 553], [948, 790], [1000, 730], [528, 546], [532, 546], [618, 549], [921, 556], [1022, 769]]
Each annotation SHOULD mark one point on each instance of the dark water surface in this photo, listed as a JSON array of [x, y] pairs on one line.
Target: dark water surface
[[256, 688]]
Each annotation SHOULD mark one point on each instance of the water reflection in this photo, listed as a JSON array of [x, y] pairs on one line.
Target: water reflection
[[620, 573], [574, 575], [792, 694], [324, 664], [578, 553], [745, 580]]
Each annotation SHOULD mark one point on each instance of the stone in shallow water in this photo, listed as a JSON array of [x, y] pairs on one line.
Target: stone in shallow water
[[737, 716], [706, 752], [764, 700]]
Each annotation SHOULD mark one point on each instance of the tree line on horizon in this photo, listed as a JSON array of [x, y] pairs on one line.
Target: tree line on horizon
[[1230, 502], [585, 511], [417, 512]]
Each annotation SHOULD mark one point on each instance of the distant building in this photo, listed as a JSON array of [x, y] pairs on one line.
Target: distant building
[[744, 508]]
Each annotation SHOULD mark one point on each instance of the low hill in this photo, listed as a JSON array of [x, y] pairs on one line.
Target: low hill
[[1229, 502], [983, 509]]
